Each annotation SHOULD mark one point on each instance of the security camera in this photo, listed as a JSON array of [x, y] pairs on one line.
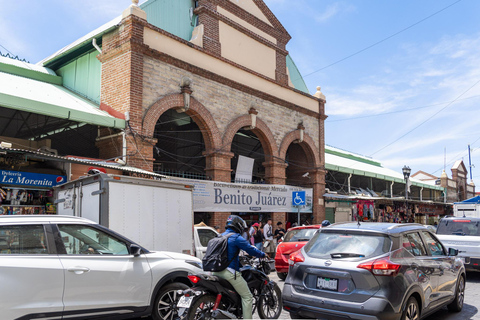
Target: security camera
[[306, 174]]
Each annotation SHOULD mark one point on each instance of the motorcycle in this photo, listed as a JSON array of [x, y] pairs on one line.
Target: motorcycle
[[212, 297]]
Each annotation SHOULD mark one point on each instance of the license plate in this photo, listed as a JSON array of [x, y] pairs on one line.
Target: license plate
[[184, 302], [327, 283]]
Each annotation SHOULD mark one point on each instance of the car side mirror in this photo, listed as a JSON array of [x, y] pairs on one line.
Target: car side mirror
[[135, 250], [452, 252]]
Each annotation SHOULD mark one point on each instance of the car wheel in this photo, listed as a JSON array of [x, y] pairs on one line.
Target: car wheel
[[282, 275], [165, 305], [457, 304], [411, 312]]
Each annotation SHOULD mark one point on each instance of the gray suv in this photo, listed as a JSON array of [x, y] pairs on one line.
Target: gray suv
[[373, 271]]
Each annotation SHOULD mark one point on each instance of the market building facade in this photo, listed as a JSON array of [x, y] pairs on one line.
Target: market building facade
[[204, 90]]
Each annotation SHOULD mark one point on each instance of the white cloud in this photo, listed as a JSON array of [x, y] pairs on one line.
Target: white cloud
[[333, 10]]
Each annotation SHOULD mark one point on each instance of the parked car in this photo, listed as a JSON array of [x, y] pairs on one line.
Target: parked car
[[68, 267], [294, 240], [463, 234], [202, 234], [373, 271]]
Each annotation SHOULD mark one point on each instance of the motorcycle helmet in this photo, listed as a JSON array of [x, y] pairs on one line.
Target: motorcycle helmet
[[325, 223], [236, 223]]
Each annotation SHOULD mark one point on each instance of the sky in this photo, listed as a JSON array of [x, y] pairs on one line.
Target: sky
[[401, 78]]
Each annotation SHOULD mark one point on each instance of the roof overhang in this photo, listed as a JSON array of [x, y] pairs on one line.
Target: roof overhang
[[46, 98]]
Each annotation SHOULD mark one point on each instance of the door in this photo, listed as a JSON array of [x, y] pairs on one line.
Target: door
[[100, 273], [31, 274], [330, 214], [447, 275], [423, 270]]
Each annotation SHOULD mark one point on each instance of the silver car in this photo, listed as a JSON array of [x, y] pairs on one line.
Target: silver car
[[373, 271], [54, 267]]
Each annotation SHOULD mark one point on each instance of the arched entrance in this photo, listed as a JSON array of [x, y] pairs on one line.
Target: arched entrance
[[180, 146]]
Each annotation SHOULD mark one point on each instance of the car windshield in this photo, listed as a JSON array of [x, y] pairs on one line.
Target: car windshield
[[298, 235], [343, 244], [460, 227]]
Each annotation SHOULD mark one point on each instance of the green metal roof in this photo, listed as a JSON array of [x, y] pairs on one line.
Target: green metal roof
[[295, 76], [32, 90], [347, 162], [172, 16]]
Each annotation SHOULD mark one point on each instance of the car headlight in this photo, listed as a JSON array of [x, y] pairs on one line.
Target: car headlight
[[195, 263]]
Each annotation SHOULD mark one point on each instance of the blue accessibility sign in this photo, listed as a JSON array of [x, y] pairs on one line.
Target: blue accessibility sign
[[298, 198]]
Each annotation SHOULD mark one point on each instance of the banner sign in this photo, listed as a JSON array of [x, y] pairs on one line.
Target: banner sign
[[214, 196], [29, 179]]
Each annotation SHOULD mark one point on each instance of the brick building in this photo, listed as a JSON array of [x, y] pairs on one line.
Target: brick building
[[201, 83]]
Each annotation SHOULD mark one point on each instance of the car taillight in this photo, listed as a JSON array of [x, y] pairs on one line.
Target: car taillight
[[193, 279], [296, 257], [380, 267]]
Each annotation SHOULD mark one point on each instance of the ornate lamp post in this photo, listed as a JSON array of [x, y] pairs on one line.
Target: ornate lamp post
[[406, 175]]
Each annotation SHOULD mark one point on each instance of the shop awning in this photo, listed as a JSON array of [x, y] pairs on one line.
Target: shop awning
[[25, 88]]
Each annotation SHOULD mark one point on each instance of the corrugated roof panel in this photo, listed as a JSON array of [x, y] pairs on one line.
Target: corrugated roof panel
[[83, 75], [295, 76], [171, 15], [335, 162], [45, 98]]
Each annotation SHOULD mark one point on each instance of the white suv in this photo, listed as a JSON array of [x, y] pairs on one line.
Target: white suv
[[57, 266]]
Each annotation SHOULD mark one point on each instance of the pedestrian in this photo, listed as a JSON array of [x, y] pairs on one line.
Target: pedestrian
[[258, 237], [288, 225], [279, 232], [269, 245], [217, 228]]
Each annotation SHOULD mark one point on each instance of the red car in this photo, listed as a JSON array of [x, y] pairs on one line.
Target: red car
[[294, 240]]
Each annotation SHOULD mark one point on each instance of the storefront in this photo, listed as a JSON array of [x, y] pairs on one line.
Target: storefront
[[27, 192]]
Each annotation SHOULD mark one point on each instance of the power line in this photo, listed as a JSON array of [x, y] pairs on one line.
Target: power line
[[426, 120], [383, 40], [399, 111]]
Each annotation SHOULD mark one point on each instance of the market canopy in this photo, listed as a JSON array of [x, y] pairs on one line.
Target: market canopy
[[471, 200], [33, 89]]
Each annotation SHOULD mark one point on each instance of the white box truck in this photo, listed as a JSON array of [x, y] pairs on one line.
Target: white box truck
[[462, 209], [156, 214]]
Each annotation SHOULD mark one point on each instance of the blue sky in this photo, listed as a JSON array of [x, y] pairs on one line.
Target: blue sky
[[401, 78]]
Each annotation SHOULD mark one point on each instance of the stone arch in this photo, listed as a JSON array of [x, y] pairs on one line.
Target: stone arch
[[261, 130], [202, 117], [308, 145]]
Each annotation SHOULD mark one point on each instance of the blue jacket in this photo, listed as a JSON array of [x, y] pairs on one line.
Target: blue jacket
[[237, 242]]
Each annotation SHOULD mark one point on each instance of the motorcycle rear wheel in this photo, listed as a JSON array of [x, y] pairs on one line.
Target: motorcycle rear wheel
[[270, 303], [201, 308]]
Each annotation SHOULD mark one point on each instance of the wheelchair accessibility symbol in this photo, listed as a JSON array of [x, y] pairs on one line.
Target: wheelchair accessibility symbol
[[298, 198]]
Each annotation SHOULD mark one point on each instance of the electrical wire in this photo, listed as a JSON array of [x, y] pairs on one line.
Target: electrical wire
[[398, 111], [426, 120], [381, 41]]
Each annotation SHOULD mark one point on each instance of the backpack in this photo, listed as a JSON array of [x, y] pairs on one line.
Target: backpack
[[216, 257]]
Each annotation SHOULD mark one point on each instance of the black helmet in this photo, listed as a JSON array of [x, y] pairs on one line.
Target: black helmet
[[325, 223], [236, 223]]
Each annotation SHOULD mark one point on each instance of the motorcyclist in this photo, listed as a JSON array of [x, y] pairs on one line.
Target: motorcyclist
[[237, 225]]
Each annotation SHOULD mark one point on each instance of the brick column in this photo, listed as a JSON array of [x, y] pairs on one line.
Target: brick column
[[281, 68], [218, 165], [122, 85], [318, 203], [206, 12], [275, 174]]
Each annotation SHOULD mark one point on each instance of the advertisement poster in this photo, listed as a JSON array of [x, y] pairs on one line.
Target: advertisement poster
[[214, 196]]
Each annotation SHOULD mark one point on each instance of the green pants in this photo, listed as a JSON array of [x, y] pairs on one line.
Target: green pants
[[241, 287]]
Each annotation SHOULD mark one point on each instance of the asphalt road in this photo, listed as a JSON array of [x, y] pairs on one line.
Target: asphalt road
[[470, 308]]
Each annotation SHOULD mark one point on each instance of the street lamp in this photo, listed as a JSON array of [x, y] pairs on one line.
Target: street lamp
[[406, 175]]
